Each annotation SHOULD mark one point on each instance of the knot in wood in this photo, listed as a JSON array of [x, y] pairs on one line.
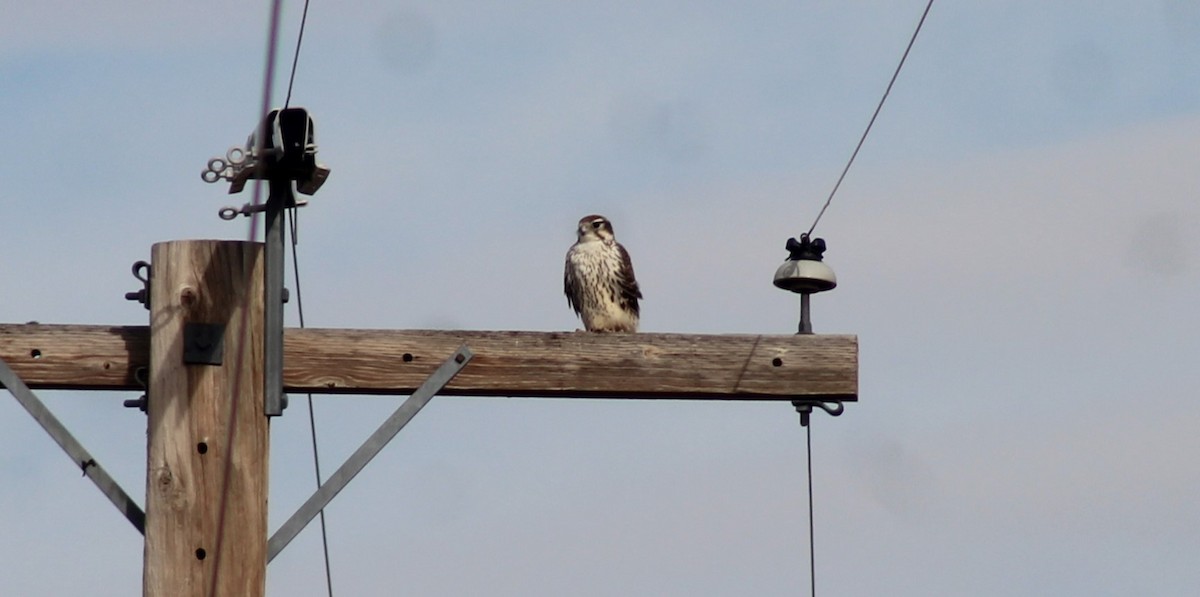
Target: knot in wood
[[188, 296]]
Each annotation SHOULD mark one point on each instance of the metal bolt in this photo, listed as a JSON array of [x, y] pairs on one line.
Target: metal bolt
[[139, 404]]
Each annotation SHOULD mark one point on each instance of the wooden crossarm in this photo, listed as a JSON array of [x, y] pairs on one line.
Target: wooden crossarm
[[507, 363]]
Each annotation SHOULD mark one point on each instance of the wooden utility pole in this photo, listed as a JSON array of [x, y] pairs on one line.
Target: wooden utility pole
[[219, 360], [205, 413], [209, 282]]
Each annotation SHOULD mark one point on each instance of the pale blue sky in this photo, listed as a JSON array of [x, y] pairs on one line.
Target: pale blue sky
[[1016, 247]]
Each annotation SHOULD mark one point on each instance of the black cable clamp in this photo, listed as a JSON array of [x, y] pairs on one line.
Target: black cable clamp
[[143, 295], [141, 376], [804, 407]]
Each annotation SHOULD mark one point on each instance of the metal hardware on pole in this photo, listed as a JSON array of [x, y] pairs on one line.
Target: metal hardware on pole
[[371, 447], [285, 155], [82, 458]]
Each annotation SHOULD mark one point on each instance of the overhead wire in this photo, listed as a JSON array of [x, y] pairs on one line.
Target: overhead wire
[[268, 80], [812, 551], [812, 543], [235, 393], [875, 115], [296, 56], [294, 223]]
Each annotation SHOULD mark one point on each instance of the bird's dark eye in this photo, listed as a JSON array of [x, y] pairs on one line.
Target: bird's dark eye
[[597, 224]]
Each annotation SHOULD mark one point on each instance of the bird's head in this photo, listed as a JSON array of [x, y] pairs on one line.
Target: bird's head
[[595, 228]]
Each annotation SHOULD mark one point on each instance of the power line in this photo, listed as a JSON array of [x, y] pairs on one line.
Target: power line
[[260, 146], [812, 552], [812, 548], [873, 117], [296, 58], [294, 222]]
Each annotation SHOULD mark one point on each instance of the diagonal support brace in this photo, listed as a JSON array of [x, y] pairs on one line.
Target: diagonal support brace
[[91, 469], [367, 451]]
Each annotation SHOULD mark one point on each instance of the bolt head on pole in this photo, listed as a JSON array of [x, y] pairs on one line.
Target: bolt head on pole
[[804, 271]]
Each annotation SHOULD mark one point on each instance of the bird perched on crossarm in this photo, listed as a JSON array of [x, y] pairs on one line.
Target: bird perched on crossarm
[[599, 280]]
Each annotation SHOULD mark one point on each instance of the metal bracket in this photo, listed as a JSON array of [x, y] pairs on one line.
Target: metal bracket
[[804, 407], [203, 343], [287, 149], [142, 296], [372, 446], [248, 209], [91, 469], [280, 197], [282, 150], [140, 375]]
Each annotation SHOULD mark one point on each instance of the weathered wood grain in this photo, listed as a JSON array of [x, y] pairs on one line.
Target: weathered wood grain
[[76, 357], [535, 364], [207, 436]]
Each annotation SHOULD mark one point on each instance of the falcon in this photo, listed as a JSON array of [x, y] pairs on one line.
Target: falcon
[[599, 281]]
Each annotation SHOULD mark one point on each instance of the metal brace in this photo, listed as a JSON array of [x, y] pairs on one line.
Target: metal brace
[[804, 407], [369, 448], [75, 451]]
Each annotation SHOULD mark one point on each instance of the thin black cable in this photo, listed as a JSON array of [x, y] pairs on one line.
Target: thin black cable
[[235, 395], [296, 56], [873, 117], [294, 222], [812, 551]]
